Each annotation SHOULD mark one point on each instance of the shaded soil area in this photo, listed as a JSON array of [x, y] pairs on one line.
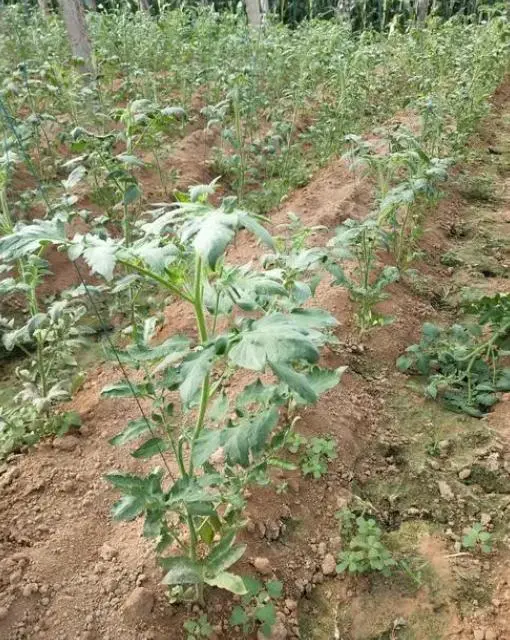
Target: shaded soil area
[[69, 572]]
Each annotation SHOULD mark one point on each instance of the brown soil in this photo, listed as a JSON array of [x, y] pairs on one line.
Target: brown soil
[[67, 570]]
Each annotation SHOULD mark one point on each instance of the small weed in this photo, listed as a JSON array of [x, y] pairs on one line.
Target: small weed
[[479, 189], [366, 551], [316, 453], [478, 539], [196, 629], [257, 608]]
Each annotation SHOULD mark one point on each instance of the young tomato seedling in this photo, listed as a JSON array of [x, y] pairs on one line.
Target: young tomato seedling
[[193, 505]]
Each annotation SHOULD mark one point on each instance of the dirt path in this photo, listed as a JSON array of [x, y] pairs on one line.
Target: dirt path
[[68, 572]]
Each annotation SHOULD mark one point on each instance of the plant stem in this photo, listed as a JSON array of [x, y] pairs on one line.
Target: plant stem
[[154, 276], [202, 330]]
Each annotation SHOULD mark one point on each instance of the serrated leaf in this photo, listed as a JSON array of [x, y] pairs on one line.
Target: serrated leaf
[[219, 408], [135, 428], [27, 239], [195, 367], [210, 234], [275, 337], [297, 382], [206, 444], [100, 255], [128, 508], [250, 437], [155, 256], [150, 448], [187, 490]]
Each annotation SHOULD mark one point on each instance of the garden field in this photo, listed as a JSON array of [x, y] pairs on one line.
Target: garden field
[[254, 328]]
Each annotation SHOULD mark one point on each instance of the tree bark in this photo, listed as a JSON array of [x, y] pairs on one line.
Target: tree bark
[[144, 5], [74, 18], [44, 7], [422, 9], [253, 12]]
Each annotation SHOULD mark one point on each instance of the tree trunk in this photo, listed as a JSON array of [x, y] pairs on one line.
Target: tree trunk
[[144, 5], [422, 9], [74, 18], [254, 13], [44, 7]]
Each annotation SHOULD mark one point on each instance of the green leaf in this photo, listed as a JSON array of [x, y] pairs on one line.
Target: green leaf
[[135, 428], [228, 581], [266, 613], [274, 588], [404, 363], [225, 554], [203, 509], [313, 319], [239, 617], [27, 239], [128, 508], [131, 194], [253, 586], [219, 408], [181, 570], [239, 441], [156, 257], [187, 490], [169, 351], [256, 393], [195, 367], [153, 524], [100, 255], [150, 448], [297, 382], [126, 481], [68, 420], [124, 390], [276, 337], [322, 380], [250, 223], [206, 444], [210, 233], [206, 532], [430, 331], [250, 437]]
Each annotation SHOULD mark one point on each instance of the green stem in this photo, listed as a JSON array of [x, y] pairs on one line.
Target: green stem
[[198, 301], [154, 276], [202, 330]]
